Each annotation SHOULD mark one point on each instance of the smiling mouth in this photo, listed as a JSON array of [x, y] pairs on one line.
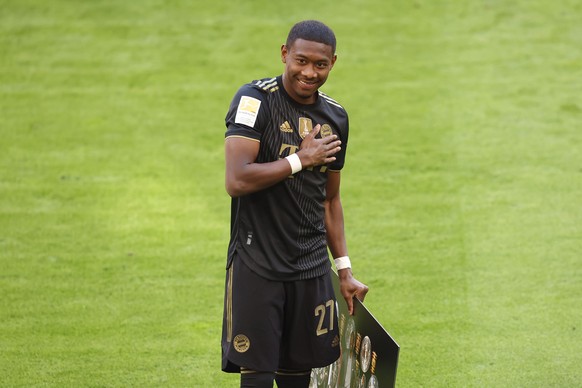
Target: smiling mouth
[[307, 84]]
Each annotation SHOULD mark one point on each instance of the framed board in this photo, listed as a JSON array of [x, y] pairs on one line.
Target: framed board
[[369, 355]]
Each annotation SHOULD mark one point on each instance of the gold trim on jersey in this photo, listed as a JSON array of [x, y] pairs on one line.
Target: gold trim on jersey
[[242, 137], [229, 305], [330, 100], [269, 85]]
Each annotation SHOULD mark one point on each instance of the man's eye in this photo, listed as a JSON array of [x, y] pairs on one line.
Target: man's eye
[[322, 65]]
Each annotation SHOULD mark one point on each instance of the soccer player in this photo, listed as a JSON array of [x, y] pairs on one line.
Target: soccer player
[[284, 149]]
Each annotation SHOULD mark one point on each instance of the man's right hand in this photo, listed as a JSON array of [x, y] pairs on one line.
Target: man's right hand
[[317, 152]]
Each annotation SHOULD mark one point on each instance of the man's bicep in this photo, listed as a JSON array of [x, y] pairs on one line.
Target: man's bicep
[[240, 151]]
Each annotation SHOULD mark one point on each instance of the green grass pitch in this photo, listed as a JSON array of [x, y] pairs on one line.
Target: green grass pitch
[[461, 192]]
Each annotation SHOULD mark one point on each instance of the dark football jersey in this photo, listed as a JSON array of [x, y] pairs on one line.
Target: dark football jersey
[[280, 231]]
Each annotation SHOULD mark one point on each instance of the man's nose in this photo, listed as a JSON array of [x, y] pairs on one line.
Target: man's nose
[[308, 71]]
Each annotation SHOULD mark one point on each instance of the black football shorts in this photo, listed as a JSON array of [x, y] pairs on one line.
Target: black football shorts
[[273, 325]]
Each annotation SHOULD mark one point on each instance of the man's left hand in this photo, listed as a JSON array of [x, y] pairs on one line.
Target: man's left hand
[[350, 287]]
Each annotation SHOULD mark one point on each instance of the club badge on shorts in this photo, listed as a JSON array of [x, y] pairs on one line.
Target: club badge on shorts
[[241, 343]]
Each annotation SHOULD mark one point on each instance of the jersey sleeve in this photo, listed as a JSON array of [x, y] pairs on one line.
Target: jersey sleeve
[[343, 132], [247, 115]]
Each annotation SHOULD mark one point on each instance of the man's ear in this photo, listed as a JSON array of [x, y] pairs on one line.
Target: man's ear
[[333, 61], [284, 53]]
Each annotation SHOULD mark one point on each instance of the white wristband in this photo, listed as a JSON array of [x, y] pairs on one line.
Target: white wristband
[[342, 262], [295, 163]]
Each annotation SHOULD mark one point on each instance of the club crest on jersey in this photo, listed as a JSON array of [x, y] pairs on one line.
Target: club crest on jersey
[[305, 126], [326, 130]]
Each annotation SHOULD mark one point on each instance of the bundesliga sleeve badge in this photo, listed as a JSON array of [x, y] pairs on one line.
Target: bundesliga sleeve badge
[[248, 110]]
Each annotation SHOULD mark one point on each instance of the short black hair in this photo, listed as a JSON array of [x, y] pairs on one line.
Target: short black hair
[[312, 30]]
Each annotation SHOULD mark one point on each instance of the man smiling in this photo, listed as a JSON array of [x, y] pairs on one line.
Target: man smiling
[[285, 147], [308, 64]]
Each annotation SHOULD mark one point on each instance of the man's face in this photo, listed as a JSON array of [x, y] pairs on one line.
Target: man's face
[[307, 65]]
